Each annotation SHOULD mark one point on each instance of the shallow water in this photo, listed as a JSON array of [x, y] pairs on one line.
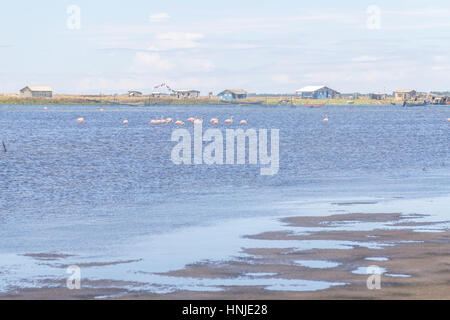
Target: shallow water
[[103, 191]]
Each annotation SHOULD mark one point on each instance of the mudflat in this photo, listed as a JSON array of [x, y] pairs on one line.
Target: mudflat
[[414, 264]]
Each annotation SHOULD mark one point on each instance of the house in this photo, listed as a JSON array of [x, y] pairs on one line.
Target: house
[[36, 92], [232, 94], [316, 92], [134, 93], [186, 93], [404, 94], [378, 96]]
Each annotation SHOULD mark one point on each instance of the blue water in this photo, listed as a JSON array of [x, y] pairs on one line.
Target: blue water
[[88, 189]]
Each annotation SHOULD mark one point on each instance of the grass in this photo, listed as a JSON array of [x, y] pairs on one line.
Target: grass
[[148, 100]]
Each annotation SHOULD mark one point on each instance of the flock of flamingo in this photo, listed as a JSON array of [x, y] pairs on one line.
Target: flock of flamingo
[[196, 120]]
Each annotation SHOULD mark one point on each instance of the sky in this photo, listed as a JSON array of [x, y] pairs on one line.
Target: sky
[[111, 46]]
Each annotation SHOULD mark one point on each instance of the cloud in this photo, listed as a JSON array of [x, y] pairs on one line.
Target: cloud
[[281, 79], [156, 17], [154, 62], [145, 62], [197, 64], [175, 40], [102, 84], [366, 58]]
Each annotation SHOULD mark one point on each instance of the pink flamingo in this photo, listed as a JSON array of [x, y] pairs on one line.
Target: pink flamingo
[[156, 121], [80, 120], [191, 119], [179, 123], [168, 120], [229, 121], [125, 121], [325, 120], [214, 120], [243, 122]]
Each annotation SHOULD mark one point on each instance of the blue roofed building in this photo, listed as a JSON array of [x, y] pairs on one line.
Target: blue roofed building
[[232, 94], [317, 92]]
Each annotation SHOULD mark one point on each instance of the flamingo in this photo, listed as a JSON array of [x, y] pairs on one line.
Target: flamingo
[[243, 122], [191, 119], [448, 119], [101, 110], [325, 120], [168, 120], [125, 121], [229, 121], [45, 108], [80, 120], [179, 123], [155, 121], [198, 121], [214, 120]]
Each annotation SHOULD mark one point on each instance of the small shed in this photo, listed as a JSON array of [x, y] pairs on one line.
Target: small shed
[[134, 93], [316, 92], [405, 94], [232, 94], [36, 92], [378, 96], [186, 93]]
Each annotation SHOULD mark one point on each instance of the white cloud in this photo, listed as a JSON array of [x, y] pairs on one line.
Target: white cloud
[[175, 40], [440, 59], [197, 64], [101, 84], [366, 59], [281, 79], [156, 17], [145, 62]]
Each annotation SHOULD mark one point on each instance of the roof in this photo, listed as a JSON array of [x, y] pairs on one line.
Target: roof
[[312, 88], [38, 88], [186, 90], [235, 91], [404, 91]]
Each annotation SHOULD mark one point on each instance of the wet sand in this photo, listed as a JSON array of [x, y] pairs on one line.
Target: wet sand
[[417, 264]]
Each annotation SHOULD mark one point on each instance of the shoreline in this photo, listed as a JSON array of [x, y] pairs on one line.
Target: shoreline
[[65, 100], [334, 245]]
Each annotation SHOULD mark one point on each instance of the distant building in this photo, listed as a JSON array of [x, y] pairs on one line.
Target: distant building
[[405, 94], [36, 92], [232, 94], [317, 92], [186, 93], [378, 96], [134, 93]]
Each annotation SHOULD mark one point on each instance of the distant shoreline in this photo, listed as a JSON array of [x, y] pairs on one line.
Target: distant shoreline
[[154, 101]]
